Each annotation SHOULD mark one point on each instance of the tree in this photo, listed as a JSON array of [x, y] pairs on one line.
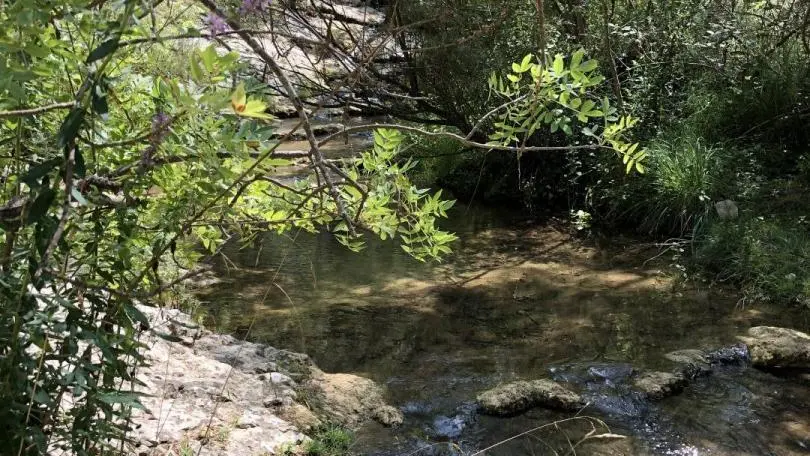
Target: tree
[[120, 165]]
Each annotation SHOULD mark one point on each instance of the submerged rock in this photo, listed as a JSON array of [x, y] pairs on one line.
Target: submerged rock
[[773, 347], [691, 363], [611, 373], [734, 354], [516, 397], [658, 385], [608, 445]]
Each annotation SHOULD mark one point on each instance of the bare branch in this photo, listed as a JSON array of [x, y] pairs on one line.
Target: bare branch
[[460, 139], [27, 112]]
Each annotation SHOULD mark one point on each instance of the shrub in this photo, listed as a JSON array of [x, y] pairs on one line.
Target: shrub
[[675, 196], [769, 256]]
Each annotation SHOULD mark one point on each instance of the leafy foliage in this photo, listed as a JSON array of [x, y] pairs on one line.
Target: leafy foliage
[[557, 97], [117, 170]]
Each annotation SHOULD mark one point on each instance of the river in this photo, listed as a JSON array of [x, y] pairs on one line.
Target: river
[[516, 300]]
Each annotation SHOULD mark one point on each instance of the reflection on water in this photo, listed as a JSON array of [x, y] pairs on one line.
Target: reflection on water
[[513, 301]]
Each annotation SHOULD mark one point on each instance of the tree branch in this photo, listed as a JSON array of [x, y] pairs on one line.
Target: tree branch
[[460, 139], [27, 112]]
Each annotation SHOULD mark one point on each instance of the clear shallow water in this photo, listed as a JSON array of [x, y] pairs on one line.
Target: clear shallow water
[[513, 302]]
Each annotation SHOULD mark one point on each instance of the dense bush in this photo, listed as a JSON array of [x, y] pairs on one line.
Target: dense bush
[[769, 257]]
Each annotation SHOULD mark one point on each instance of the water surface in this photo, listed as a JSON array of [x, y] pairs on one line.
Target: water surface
[[516, 300]]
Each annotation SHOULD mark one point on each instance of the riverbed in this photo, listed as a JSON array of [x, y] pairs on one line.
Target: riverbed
[[518, 299]]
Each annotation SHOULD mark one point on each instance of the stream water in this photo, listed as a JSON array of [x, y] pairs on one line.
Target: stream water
[[515, 301]]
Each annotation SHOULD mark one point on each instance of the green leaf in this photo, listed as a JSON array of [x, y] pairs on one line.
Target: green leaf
[[78, 197], [99, 104], [239, 99], [41, 397], [79, 166], [106, 48], [36, 51], [255, 109], [36, 172], [196, 71], [590, 65], [121, 397], [70, 127], [526, 62], [577, 59], [559, 64], [136, 315], [41, 205], [209, 57], [277, 162]]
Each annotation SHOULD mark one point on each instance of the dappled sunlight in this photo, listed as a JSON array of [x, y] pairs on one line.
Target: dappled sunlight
[[507, 304]]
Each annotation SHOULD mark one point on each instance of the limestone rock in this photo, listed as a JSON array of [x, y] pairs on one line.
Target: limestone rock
[[658, 385], [772, 347], [516, 397], [349, 399], [691, 363], [224, 396]]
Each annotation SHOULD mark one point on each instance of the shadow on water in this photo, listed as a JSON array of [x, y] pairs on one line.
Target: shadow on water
[[513, 301]]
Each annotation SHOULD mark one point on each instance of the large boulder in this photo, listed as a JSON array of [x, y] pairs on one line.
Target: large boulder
[[516, 397], [772, 347]]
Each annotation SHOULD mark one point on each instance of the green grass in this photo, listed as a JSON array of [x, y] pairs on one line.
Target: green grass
[[329, 440], [675, 197]]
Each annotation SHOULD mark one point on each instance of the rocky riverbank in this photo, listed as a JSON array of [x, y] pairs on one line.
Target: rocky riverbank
[[766, 347], [211, 394]]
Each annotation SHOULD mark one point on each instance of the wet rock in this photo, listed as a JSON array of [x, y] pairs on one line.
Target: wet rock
[[388, 416], [773, 347], [448, 427], [611, 373], [691, 363], [451, 427], [608, 445], [658, 385], [349, 400], [417, 408], [516, 397], [735, 354], [586, 373]]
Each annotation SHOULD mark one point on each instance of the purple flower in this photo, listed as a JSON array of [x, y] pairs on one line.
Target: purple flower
[[253, 6], [216, 24]]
